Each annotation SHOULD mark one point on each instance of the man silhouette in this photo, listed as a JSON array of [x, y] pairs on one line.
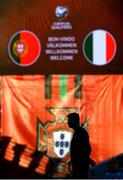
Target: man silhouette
[[80, 148]]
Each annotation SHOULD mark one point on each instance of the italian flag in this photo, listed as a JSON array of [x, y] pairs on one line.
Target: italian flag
[[99, 47]]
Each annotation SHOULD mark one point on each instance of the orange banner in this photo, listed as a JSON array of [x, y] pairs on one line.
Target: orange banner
[[98, 99]]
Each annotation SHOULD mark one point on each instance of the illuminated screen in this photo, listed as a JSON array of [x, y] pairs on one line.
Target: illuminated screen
[[61, 37]]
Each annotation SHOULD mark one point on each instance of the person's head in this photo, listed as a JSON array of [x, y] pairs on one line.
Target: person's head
[[73, 120]]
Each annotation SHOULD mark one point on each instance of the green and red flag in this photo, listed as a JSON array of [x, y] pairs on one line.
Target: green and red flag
[[24, 48]]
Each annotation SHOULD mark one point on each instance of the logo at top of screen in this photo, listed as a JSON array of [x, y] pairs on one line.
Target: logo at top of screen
[[61, 12], [24, 48], [99, 47]]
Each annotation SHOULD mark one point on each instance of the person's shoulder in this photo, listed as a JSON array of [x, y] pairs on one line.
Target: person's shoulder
[[83, 131]]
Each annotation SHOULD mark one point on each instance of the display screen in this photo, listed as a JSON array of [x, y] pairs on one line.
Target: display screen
[[61, 37]]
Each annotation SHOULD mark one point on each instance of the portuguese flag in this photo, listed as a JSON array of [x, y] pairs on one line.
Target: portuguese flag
[[99, 47], [24, 48]]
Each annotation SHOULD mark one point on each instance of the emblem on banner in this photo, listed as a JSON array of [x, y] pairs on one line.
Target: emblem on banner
[[62, 141]]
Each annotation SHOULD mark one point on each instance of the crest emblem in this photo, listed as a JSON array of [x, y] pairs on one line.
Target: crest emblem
[[62, 142], [20, 48]]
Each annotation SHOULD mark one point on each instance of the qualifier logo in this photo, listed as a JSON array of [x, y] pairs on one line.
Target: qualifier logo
[[24, 48], [61, 12], [99, 47]]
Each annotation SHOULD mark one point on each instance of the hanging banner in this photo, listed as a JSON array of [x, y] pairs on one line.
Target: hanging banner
[[33, 107]]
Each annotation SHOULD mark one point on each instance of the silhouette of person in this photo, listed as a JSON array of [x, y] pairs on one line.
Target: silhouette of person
[[80, 148]]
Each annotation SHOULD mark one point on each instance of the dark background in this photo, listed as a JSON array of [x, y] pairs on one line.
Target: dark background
[[39, 15]]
